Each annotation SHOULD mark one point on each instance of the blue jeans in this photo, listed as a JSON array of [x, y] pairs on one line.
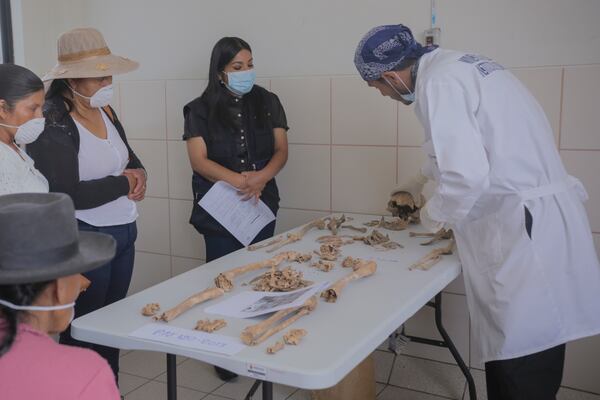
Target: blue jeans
[[109, 283], [219, 246]]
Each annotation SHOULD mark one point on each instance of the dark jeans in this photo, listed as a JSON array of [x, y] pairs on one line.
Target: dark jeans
[[219, 246], [109, 283], [533, 377]]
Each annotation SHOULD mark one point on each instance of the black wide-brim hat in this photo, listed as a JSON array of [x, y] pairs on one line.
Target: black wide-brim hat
[[39, 239]]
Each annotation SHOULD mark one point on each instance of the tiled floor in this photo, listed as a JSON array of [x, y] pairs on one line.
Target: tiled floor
[[398, 378]]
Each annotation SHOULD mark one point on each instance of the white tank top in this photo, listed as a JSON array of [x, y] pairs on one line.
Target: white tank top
[[99, 158]]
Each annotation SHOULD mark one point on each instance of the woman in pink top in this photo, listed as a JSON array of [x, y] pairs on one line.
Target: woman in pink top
[[41, 257]]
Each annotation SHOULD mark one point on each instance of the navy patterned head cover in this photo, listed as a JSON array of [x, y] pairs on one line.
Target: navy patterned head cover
[[385, 47]]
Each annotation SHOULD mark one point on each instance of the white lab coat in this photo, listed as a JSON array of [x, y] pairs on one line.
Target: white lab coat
[[491, 152]]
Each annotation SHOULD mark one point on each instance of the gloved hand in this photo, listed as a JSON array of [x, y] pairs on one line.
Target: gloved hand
[[414, 186], [428, 223]]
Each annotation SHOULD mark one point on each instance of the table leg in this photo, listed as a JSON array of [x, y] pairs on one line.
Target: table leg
[[267, 390], [171, 377], [253, 390], [463, 367], [446, 342]]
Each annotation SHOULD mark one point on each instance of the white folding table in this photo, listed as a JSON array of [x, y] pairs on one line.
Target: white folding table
[[340, 335]]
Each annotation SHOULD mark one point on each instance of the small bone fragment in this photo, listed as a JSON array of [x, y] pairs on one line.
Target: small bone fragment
[[328, 251], [294, 336], [378, 240], [304, 257], [334, 223], [396, 224], [258, 333], [150, 309], [206, 325], [350, 262], [190, 302], [355, 228], [433, 257], [367, 268], [337, 241], [225, 279], [275, 280], [275, 348], [323, 265]]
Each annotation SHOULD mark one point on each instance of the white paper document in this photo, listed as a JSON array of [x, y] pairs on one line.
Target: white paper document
[[252, 304], [243, 219], [189, 338]]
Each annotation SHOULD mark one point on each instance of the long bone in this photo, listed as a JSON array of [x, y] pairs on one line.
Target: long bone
[[442, 234], [225, 279], [258, 333], [366, 269], [205, 295], [433, 257], [292, 237]]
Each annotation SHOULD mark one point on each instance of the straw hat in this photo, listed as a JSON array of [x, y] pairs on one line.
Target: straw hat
[[83, 53]]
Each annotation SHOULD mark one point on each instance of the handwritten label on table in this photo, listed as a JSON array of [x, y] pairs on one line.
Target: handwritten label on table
[[243, 219], [189, 338]]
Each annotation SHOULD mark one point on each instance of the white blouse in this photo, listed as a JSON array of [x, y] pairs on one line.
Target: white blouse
[[99, 158], [18, 173]]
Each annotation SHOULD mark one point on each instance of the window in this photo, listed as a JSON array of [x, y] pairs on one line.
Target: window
[[6, 50]]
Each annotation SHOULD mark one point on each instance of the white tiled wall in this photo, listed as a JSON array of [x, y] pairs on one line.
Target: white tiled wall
[[360, 115], [349, 146]]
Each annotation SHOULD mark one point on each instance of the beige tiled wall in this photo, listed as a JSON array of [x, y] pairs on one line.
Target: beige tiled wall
[[349, 146]]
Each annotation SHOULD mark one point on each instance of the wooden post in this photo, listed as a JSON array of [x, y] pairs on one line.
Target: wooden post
[[359, 384]]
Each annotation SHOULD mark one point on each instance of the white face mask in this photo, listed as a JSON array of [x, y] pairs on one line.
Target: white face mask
[[408, 98], [29, 131], [36, 308], [101, 98]]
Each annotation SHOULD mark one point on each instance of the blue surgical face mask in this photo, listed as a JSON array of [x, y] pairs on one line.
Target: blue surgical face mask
[[408, 98], [240, 82]]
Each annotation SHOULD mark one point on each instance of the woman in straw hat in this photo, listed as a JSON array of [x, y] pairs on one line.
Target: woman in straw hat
[[41, 258], [84, 153], [21, 122]]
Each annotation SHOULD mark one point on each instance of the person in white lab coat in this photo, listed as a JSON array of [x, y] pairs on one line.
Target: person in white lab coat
[[531, 272]]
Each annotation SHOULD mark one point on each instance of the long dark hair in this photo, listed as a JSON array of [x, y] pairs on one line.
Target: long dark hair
[[22, 295], [59, 89], [16, 83], [217, 94]]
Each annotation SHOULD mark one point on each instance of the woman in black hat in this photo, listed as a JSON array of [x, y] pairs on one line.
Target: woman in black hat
[[41, 258]]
